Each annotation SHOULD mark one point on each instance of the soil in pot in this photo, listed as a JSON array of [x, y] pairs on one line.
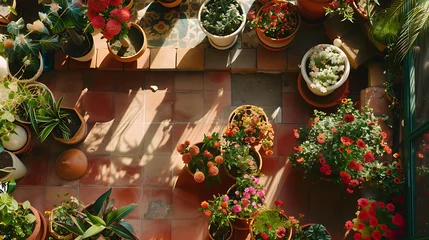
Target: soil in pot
[[222, 233], [19, 72], [136, 43], [5, 161], [4, 7], [74, 124], [73, 49]]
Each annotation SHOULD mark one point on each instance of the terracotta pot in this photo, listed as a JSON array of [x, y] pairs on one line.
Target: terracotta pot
[[9, 17], [357, 10], [170, 4], [313, 9], [230, 235], [239, 223], [138, 54], [253, 235], [51, 229], [276, 44], [40, 227], [26, 148], [80, 135], [258, 162], [130, 5], [71, 164], [20, 169], [305, 226], [36, 85]]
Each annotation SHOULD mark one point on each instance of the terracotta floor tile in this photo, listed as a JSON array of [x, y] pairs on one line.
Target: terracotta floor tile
[[98, 171], [68, 81], [214, 103], [295, 109], [53, 179], [98, 139], [129, 107], [193, 132], [127, 138], [162, 197], [157, 139], [188, 107], [187, 229], [163, 80], [126, 171], [98, 106], [36, 170], [289, 80], [70, 99], [90, 194], [285, 139], [35, 195], [156, 229], [54, 195], [99, 81], [130, 80], [217, 80], [125, 196], [158, 171], [189, 81], [105, 61], [136, 224], [159, 106]]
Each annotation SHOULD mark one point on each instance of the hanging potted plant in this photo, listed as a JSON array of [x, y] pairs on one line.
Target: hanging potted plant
[[126, 40], [20, 221], [69, 21], [220, 227], [312, 231], [248, 197], [324, 68], [24, 59], [241, 159], [202, 159], [276, 24], [222, 21], [11, 168], [7, 11], [273, 224], [170, 3], [65, 124]]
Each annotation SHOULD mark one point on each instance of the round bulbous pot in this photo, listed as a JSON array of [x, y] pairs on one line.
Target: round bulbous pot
[[71, 164], [8, 159], [170, 3], [31, 79], [329, 89], [228, 238], [222, 42], [137, 39], [313, 10], [253, 235], [20, 142], [258, 161]]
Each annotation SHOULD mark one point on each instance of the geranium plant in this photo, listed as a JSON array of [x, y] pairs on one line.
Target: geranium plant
[[249, 125], [248, 196], [221, 17], [375, 220], [273, 224], [278, 20], [111, 18], [326, 66], [220, 217], [387, 177], [203, 159], [340, 144], [239, 160]]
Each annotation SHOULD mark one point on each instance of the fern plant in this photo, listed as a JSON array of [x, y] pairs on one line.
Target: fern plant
[[222, 17]]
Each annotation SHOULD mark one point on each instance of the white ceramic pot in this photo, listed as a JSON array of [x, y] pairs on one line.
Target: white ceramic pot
[[36, 84], [88, 56], [34, 78], [4, 69], [329, 89], [20, 169], [222, 42], [17, 140]]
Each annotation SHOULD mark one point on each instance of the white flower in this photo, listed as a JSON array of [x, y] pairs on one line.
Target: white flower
[[38, 25], [55, 7], [30, 27]]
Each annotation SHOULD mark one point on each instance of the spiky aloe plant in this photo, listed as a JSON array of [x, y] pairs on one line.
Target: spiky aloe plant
[[51, 117]]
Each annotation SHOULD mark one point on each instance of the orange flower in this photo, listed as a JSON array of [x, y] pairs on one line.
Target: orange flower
[[210, 164], [213, 171], [321, 138], [295, 133], [420, 155], [300, 160], [346, 140], [199, 177], [187, 158], [344, 100], [269, 153], [225, 204], [397, 180], [219, 159], [387, 149], [208, 213], [194, 150], [396, 155], [204, 204], [348, 150]]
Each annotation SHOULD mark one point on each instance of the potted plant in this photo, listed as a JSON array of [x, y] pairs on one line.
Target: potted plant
[[69, 21], [24, 60], [36, 94], [203, 159], [248, 196], [220, 227], [20, 221], [313, 11], [342, 143], [15, 137], [387, 177], [276, 24], [241, 159], [101, 220], [170, 3], [126, 40], [250, 123], [222, 21], [272, 224], [11, 168], [312, 232], [66, 124], [376, 219], [7, 11], [324, 68]]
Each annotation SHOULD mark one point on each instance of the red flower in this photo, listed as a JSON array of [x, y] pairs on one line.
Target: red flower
[[387, 149], [349, 118], [376, 235], [107, 36], [300, 160], [346, 140], [373, 205], [98, 5], [334, 130], [216, 145], [326, 169], [115, 3], [383, 227], [298, 149], [360, 143], [389, 172], [269, 152], [359, 166], [321, 138], [345, 177], [381, 204], [122, 14], [383, 135], [113, 27], [363, 215], [398, 220], [360, 226], [352, 164], [97, 22], [295, 133], [322, 161], [281, 232], [91, 14], [390, 207], [357, 236], [348, 190], [363, 202], [264, 235], [348, 225], [369, 157], [373, 221], [278, 203], [389, 233]]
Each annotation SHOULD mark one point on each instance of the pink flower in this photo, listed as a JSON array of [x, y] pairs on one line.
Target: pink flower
[[246, 195], [237, 208], [260, 193], [281, 232], [237, 192], [97, 22], [122, 14], [348, 225], [98, 5], [278, 203], [225, 198]]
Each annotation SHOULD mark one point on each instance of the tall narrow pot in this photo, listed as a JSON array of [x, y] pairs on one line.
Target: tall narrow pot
[[228, 238], [238, 223], [8, 159], [81, 49]]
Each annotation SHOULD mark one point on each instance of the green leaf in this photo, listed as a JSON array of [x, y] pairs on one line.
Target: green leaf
[[119, 214], [95, 219], [93, 230], [101, 201], [14, 27], [12, 10], [80, 226], [49, 43], [30, 218], [26, 205], [47, 130], [57, 24], [12, 186], [122, 231]]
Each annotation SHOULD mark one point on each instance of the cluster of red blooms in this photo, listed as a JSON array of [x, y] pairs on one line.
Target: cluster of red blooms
[[108, 15]]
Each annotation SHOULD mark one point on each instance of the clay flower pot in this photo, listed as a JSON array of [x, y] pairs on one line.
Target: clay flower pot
[[313, 10], [77, 127], [228, 238], [19, 142], [71, 164], [40, 226], [138, 45], [8, 159], [170, 3], [253, 234], [258, 159]]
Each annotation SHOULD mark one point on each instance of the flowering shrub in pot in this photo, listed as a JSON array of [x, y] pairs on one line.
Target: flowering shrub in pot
[[272, 224], [203, 159], [325, 68], [220, 227], [276, 24], [340, 145], [241, 159], [375, 220]]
